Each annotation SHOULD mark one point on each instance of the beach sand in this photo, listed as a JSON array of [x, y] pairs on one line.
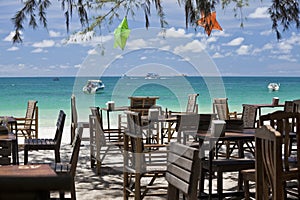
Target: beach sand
[[106, 186]]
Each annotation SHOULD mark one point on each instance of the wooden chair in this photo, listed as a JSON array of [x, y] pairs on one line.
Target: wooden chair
[[288, 124], [211, 163], [28, 125], [191, 108], [221, 108], [270, 167], [187, 126], [74, 120], [142, 104], [102, 142], [69, 169], [141, 161], [47, 144], [5, 152], [182, 171]]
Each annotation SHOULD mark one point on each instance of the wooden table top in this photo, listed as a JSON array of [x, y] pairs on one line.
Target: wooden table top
[[32, 178]]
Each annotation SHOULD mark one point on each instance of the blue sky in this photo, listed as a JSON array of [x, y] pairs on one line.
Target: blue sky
[[235, 51]]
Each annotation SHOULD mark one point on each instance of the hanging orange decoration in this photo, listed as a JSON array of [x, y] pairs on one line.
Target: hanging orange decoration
[[209, 22]]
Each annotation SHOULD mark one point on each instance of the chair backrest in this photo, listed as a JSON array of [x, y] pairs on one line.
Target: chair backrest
[[182, 171], [60, 127], [285, 123], [269, 170], [75, 155], [187, 125], [288, 106], [296, 105], [142, 104], [249, 116], [220, 107], [30, 113], [133, 142], [74, 116], [96, 130], [192, 106]]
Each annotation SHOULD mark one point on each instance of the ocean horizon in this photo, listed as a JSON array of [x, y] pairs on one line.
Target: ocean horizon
[[54, 94]]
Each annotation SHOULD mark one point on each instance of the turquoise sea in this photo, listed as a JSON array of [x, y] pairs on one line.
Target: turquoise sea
[[172, 91]]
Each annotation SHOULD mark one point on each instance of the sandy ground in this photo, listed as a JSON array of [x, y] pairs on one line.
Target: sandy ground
[[89, 185]]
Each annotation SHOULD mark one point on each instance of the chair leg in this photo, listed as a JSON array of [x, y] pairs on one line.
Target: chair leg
[[57, 155], [25, 155]]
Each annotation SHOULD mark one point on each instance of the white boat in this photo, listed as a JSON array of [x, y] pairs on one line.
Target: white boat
[[152, 76], [273, 86], [93, 87]]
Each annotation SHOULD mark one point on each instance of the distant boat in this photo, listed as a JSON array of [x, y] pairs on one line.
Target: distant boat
[[152, 76], [93, 87], [273, 86], [55, 79]]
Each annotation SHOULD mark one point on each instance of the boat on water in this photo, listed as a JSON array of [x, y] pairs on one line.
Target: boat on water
[[152, 76], [274, 86], [93, 87]]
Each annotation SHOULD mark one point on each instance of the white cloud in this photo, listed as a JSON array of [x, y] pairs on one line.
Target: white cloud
[[54, 34], [38, 50], [13, 49], [92, 52], [235, 42], [266, 33], [135, 44], [259, 13], [218, 55], [44, 44], [9, 38], [195, 46], [173, 33], [243, 50]]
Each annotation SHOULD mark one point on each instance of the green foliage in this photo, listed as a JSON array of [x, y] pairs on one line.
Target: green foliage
[[283, 13]]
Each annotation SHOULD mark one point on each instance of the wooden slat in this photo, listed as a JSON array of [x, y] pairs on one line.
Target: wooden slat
[[178, 183], [180, 161], [180, 172]]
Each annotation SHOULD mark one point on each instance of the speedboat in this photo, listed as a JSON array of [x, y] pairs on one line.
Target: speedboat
[[152, 76], [273, 86], [93, 87]]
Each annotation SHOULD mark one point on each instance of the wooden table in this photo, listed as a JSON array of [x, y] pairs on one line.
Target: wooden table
[[19, 181], [108, 111]]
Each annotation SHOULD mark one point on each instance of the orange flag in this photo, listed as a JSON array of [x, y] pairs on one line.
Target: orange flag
[[209, 22]]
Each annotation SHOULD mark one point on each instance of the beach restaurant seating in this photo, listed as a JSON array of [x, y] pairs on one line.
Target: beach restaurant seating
[[288, 125], [46, 143], [143, 163], [102, 142], [28, 125], [182, 171], [74, 120], [69, 168]]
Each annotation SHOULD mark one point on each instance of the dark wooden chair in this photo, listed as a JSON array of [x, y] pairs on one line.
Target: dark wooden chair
[[143, 163], [69, 169], [28, 125], [270, 167], [47, 144], [74, 120], [182, 171], [211, 163], [102, 142], [288, 124]]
